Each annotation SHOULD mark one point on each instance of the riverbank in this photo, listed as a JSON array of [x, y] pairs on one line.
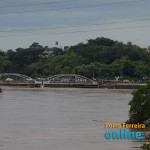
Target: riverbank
[[121, 86], [70, 85], [100, 90]]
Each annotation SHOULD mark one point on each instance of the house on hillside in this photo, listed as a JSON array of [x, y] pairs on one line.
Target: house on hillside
[[148, 49]]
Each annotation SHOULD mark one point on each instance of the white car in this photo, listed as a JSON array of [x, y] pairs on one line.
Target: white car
[[9, 79], [126, 81]]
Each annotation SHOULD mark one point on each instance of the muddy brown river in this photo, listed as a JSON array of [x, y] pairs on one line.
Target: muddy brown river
[[62, 119]]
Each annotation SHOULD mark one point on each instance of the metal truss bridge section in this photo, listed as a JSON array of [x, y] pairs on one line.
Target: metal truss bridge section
[[71, 79], [14, 77]]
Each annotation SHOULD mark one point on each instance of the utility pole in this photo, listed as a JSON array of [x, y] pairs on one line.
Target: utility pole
[[93, 74]]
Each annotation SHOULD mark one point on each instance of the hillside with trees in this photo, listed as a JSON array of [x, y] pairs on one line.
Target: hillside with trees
[[98, 58]]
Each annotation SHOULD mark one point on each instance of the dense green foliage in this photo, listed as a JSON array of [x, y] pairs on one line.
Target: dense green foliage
[[145, 146], [140, 105], [100, 58]]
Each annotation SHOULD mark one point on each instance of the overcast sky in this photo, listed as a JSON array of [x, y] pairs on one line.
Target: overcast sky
[[29, 25]]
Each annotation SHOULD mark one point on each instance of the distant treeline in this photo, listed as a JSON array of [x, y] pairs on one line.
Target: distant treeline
[[99, 58]]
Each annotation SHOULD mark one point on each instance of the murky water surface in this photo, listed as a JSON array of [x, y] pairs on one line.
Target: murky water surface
[[61, 119]]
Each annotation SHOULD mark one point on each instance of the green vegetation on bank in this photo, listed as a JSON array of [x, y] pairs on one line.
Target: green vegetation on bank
[[140, 105], [146, 146], [140, 109], [99, 58]]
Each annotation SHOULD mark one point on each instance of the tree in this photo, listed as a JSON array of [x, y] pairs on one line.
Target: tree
[[36, 45], [141, 69], [56, 43], [145, 146], [101, 41], [140, 105], [86, 70]]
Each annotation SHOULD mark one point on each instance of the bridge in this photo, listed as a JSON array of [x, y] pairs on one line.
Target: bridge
[[15, 78], [72, 80]]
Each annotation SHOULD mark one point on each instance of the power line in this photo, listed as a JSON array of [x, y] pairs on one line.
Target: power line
[[32, 4], [75, 7], [82, 31], [76, 26]]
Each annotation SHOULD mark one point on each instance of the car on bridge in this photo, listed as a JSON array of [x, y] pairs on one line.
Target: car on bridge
[[9, 79]]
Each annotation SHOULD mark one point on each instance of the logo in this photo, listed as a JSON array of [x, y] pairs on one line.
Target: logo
[[124, 133]]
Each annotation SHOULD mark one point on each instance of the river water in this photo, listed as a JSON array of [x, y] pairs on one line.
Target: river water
[[61, 119]]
